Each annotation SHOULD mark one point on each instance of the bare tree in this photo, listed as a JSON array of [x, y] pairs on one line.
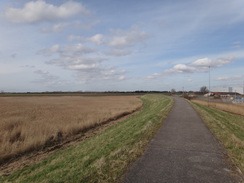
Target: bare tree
[[203, 89]]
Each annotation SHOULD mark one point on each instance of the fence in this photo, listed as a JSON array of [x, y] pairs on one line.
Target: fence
[[238, 101]]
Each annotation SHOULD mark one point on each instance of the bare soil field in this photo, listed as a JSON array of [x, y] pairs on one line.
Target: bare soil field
[[34, 123], [228, 107]]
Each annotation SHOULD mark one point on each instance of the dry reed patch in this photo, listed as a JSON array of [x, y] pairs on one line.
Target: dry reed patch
[[28, 123], [228, 107]]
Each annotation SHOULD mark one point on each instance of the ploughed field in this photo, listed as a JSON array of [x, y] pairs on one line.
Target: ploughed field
[[30, 123]]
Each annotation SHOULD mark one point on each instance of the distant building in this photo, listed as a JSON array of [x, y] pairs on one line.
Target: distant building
[[229, 89]]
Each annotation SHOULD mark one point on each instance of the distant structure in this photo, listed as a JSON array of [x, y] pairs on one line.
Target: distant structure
[[239, 90]]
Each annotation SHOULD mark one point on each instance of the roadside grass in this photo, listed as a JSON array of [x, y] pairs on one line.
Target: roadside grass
[[228, 107], [229, 130], [104, 157]]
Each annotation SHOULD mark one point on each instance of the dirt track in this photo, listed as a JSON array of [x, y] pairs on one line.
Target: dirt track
[[184, 150]]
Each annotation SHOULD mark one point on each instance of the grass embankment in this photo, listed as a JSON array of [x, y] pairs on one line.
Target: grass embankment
[[228, 128], [228, 107], [104, 157]]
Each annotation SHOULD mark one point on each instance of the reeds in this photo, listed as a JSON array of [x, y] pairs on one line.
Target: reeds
[[228, 107], [30, 123]]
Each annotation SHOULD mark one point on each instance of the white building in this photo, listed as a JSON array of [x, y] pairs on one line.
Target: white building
[[229, 89]]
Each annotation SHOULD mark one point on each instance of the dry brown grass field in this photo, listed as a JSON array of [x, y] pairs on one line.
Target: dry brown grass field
[[228, 107], [29, 123]]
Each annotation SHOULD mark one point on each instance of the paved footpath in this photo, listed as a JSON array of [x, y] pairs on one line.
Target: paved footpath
[[183, 151]]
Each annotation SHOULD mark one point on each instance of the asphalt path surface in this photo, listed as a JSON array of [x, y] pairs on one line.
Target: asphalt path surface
[[184, 150]]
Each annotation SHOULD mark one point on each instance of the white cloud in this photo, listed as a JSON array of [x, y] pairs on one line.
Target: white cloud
[[99, 73], [219, 62], [59, 27], [153, 76], [86, 26], [230, 78], [112, 74], [39, 11], [83, 66], [177, 69], [28, 66], [124, 39], [118, 39], [150, 77], [200, 65], [41, 72], [87, 68], [181, 68], [118, 52], [98, 39], [86, 58], [122, 78], [49, 51], [66, 60], [203, 62], [77, 49], [73, 37], [74, 49], [55, 28], [47, 79], [119, 42], [236, 44]]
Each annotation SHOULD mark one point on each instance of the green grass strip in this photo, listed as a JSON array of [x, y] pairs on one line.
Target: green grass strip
[[104, 157], [228, 128]]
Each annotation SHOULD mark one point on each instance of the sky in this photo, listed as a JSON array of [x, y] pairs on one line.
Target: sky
[[113, 45]]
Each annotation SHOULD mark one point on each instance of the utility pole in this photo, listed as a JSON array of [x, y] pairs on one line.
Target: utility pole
[[243, 89], [209, 85]]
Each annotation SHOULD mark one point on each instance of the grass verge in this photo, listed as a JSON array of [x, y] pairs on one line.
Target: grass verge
[[227, 107], [228, 128], [104, 157]]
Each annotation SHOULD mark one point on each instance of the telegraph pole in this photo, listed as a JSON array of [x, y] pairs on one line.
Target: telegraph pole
[[209, 84]]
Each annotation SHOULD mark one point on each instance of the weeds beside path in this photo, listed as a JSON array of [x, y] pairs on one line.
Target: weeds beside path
[[228, 128], [104, 157], [227, 107], [184, 151]]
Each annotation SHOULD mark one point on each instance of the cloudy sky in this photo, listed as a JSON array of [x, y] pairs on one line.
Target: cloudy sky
[[94, 45]]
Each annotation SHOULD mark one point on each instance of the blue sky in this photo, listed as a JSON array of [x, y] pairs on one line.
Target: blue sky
[[58, 45]]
